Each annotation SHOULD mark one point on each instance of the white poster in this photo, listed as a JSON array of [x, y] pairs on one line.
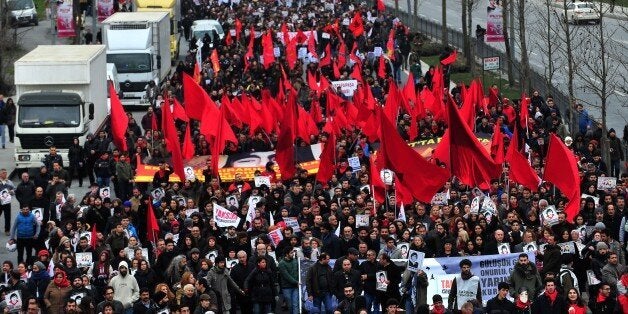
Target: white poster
[[503, 248], [39, 214], [5, 197], [225, 218], [262, 180], [606, 183], [439, 199], [190, 211], [293, 223], [13, 301], [157, 194], [189, 173], [105, 192], [354, 163], [403, 248], [347, 87], [361, 220], [83, 259], [550, 216], [415, 260], [381, 281], [387, 176]]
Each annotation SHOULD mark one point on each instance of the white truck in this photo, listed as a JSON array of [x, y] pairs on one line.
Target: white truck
[[62, 94], [138, 43]]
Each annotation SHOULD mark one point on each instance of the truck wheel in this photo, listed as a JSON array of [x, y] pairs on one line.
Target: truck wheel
[[36, 21]]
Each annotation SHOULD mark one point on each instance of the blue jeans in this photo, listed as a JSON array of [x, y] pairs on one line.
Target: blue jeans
[[3, 136], [372, 302], [259, 308], [103, 182], [326, 299], [128, 311], [291, 295]]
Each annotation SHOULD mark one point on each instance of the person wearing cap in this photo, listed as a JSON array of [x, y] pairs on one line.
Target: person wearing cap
[[204, 305], [464, 287], [500, 304], [125, 286], [599, 258]]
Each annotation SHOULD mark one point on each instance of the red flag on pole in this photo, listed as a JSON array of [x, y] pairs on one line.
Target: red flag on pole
[[152, 227], [119, 120], [188, 146], [327, 165], [497, 145], [561, 168], [451, 58], [172, 140], [94, 236], [285, 142], [357, 24], [381, 6], [311, 44], [520, 170], [195, 98]]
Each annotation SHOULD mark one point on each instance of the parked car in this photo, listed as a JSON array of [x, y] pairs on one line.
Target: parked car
[[582, 12]]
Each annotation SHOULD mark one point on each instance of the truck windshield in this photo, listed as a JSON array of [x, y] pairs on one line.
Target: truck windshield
[[131, 62], [20, 4], [49, 116]]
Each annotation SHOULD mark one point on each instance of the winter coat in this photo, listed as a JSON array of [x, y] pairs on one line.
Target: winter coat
[[319, 280], [542, 305], [616, 151], [55, 297], [525, 276], [125, 289], [38, 283], [288, 273], [609, 306], [551, 259], [76, 155], [261, 286], [220, 281], [497, 306], [145, 279]]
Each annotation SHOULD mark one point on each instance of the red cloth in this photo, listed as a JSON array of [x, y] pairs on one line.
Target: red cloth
[[327, 165], [119, 120], [311, 44], [520, 170], [381, 68], [469, 161], [224, 133], [172, 140], [623, 303], [188, 146], [576, 309], [451, 58], [285, 142], [561, 169], [62, 282], [357, 24], [151, 224], [179, 112], [268, 49], [291, 53], [380, 6], [195, 98], [551, 296], [408, 93], [524, 112], [421, 178], [497, 145], [600, 298], [94, 237]]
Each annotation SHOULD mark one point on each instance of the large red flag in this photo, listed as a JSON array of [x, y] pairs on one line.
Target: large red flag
[[268, 49], [408, 92], [172, 140], [152, 227], [291, 53], [311, 44], [94, 236], [380, 6], [379, 188], [238, 29], [381, 67], [224, 133], [524, 111], [285, 142], [451, 58], [561, 168], [178, 111], [520, 170], [326, 59], [421, 178], [327, 165], [357, 24], [469, 161], [119, 120], [497, 145], [195, 98]]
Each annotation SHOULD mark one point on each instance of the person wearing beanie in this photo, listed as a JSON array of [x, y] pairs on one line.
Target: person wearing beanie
[[499, 304], [125, 286], [219, 280], [465, 287], [616, 153], [38, 282]]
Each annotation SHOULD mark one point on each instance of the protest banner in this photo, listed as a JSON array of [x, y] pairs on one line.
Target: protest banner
[[65, 20], [225, 218], [347, 87], [606, 183], [83, 259], [105, 9], [494, 22], [262, 180]]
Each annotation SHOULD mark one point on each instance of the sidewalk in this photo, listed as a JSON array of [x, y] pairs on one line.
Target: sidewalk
[[619, 13]]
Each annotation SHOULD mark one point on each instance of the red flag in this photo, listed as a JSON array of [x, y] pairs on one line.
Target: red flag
[[520, 170], [195, 98], [178, 111], [493, 97], [229, 113], [379, 188], [249, 51], [421, 178], [561, 168], [291, 53], [524, 111], [153, 121], [152, 227], [311, 44], [300, 37], [172, 141], [228, 39], [357, 25], [497, 145], [238, 28], [94, 235], [342, 52], [509, 112], [335, 69], [326, 59], [391, 107], [215, 61], [380, 6], [327, 165], [285, 33], [381, 69], [316, 111], [285, 142], [408, 92], [268, 49], [188, 146], [451, 58], [119, 120], [224, 133], [390, 44], [471, 163]]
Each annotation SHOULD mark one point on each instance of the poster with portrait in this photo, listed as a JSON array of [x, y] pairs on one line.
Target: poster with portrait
[[157, 194], [231, 262], [387, 176], [542, 248], [595, 198], [293, 223], [361, 220], [13, 301], [354, 163], [164, 311], [84, 259], [415, 260], [567, 247], [5, 197], [105, 192], [530, 247], [439, 199], [211, 255], [591, 279], [381, 281], [190, 211], [232, 200], [189, 173], [503, 248], [606, 183], [475, 205], [262, 180], [180, 200], [403, 248], [77, 297], [39, 214], [550, 216], [253, 200]]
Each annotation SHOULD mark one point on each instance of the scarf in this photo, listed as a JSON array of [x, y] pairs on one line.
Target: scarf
[[63, 282], [600, 298], [520, 305], [438, 309], [551, 296], [40, 275], [624, 280], [577, 309]]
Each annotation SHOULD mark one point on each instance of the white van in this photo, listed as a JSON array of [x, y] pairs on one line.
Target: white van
[[22, 12], [201, 27]]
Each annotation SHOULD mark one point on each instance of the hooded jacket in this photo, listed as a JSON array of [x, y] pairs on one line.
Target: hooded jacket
[[525, 276], [126, 289]]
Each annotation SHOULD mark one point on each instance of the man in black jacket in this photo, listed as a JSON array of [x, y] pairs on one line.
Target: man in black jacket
[[499, 304], [145, 305], [368, 269], [319, 283], [347, 275], [25, 190], [550, 301], [604, 303], [351, 303]]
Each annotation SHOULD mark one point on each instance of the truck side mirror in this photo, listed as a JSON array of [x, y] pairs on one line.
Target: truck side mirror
[[91, 110], [159, 62]]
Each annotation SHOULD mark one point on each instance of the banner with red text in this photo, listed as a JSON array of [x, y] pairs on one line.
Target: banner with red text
[[494, 22], [105, 9], [65, 20]]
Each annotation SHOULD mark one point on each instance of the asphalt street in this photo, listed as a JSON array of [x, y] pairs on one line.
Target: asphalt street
[[615, 32]]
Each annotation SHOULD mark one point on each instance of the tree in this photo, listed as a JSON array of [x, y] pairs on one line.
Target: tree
[[444, 34], [548, 41], [601, 68], [525, 61], [507, 20]]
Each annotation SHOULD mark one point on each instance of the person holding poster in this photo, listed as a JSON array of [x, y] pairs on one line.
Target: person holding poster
[[465, 287], [392, 280]]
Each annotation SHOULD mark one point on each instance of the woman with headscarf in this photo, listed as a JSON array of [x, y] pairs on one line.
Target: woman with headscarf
[[38, 283], [57, 292]]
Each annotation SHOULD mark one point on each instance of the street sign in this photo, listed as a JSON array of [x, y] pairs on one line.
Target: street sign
[[490, 63]]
